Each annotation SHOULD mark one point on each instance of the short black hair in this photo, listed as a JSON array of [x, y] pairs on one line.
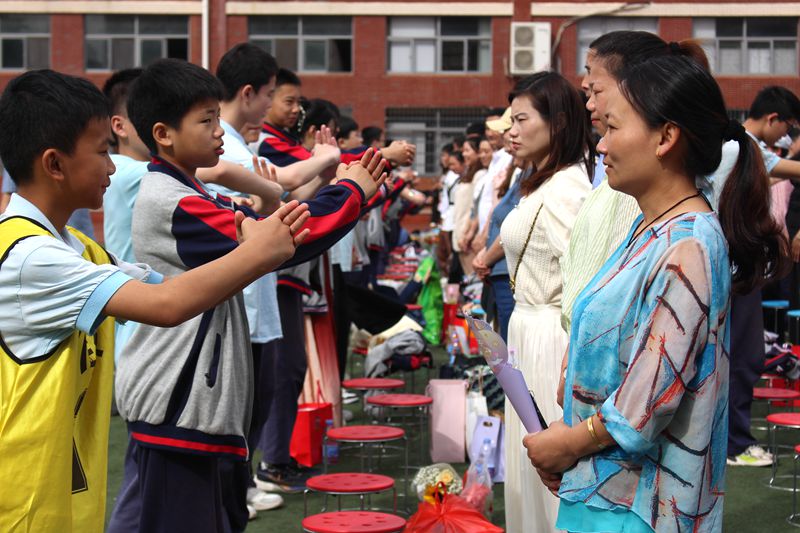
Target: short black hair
[[287, 77], [370, 134], [116, 89], [43, 109], [245, 64], [346, 126], [318, 113], [476, 129], [165, 92], [775, 99]]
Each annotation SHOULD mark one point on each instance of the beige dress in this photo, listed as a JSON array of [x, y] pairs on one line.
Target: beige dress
[[462, 207], [535, 335]]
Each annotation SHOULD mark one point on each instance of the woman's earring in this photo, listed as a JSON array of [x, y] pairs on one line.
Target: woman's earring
[[658, 155]]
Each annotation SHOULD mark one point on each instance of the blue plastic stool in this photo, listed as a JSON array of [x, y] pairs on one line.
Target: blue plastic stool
[[774, 313]]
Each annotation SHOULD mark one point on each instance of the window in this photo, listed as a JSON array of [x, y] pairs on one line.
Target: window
[[591, 28], [306, 44], [24, 41], [430, 129], [736, 45], [445, 44], [115, 42]]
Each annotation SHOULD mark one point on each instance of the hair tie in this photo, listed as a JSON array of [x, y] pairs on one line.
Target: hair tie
[[734, 131], [675, 48]]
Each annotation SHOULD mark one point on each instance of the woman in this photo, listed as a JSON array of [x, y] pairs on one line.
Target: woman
[[643, 447], [550, 132], [490, 263], [463, 203]]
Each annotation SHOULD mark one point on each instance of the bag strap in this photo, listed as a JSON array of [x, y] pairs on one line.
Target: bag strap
[[319, 393], [513, 279]]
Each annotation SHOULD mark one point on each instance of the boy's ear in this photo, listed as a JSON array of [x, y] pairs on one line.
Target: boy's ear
[[771, 117], [162, 134], [116, 126], [51, 163], [247, 92]]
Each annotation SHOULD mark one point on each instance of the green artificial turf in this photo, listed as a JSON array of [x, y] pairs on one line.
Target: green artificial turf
[[750, 507]]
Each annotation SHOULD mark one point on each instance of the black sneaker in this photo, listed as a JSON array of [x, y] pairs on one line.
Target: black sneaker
[[302, 471], [279, 478]]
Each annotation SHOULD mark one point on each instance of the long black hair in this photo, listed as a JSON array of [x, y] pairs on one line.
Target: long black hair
[[676, 89]]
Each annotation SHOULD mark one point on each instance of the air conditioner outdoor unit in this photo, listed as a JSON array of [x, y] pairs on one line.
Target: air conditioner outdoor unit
[[530, 47]]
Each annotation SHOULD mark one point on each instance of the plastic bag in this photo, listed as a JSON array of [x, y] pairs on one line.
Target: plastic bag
[[452, 515], [430, 298]]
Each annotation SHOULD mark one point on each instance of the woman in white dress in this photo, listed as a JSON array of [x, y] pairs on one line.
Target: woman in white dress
[[551, 131]]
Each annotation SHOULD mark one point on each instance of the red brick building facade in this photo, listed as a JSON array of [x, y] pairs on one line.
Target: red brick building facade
[[369, 68]]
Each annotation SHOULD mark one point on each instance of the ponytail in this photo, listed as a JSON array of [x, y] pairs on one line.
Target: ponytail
[[676, 89], [758, 249]]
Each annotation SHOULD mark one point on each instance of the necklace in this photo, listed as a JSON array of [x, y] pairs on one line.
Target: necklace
[[673, 206]]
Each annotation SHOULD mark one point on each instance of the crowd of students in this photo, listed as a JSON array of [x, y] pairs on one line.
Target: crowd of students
[[197, 294], [625, 275], [625, 271]]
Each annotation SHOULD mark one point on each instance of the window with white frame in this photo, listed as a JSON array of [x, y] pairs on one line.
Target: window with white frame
[[306, 44], [756, 45], [115, 42], [430, 129], [591, 28], [24, 41], [440, 44]]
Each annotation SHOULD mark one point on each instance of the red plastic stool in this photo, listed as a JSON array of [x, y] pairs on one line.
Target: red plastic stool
[[418, 404], [353, 522], [364, 384], [349, 484], [794, 518], [778, 421], [364, 436], [773, 394]]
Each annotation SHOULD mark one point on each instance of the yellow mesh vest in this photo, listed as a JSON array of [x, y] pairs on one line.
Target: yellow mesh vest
[[54, 420]]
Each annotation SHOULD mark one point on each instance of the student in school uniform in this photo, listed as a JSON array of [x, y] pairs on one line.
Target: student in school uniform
[[186, 392], [58, 290]]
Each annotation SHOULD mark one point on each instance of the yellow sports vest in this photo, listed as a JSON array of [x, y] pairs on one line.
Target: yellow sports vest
[[54, 420]]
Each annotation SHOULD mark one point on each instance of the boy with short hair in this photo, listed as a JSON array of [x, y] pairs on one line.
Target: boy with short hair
[[57, 290], [348, 136], [186, 392]]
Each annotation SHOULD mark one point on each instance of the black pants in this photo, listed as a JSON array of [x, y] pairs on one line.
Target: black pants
[[287, 366], [237, 476], [179, 492], [747, 363]]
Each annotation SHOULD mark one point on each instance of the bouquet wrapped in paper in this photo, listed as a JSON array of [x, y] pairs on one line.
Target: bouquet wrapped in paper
[[494, 350], [431, 479]]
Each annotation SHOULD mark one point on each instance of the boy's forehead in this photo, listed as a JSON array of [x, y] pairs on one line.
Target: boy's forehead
[[203, 106], [287, 89]]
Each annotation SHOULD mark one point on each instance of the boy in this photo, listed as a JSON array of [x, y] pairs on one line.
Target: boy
[[348, 136], [186, 392], [57, 289], [282, 147]]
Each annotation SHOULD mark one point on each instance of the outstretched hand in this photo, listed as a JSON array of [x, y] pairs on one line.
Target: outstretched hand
[[279, 234], [325, 145], [368, 173]]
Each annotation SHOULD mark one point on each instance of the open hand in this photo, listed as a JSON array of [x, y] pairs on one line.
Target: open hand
[[400, 152], [367, 173], [279, 234], [325, 146]]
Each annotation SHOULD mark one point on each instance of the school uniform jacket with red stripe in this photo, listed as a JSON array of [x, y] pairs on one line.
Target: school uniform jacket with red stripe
[[282, 149], [190, 387]]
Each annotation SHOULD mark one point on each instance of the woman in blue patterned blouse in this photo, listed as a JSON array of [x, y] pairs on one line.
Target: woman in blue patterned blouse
[[643, 442]]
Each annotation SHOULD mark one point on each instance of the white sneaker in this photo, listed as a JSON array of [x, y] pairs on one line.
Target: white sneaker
[[748, 459], [251, 512], [757, 451], [262, 501]]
